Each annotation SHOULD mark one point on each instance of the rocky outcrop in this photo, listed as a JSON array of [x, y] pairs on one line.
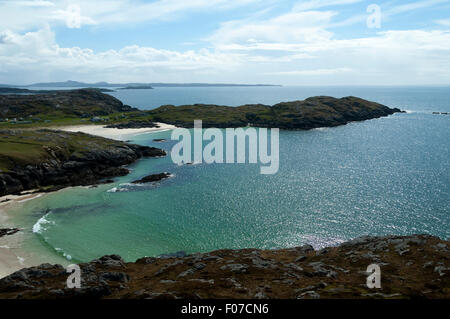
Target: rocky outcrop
[[152, 178], [414, 266], [8, 231], [50, 160]]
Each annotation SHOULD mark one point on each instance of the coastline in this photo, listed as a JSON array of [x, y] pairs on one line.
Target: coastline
[[13, 256]]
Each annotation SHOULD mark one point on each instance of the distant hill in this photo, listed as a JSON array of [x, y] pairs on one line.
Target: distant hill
[[76, 84], [10, 90]]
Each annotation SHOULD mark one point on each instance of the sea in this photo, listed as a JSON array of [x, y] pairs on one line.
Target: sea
[[383, 176]]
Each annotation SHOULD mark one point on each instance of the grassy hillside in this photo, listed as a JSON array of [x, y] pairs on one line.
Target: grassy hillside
[[19, 148], [59, 106]]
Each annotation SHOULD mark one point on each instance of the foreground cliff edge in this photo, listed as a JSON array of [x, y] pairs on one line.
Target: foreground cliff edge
[[414, 266]]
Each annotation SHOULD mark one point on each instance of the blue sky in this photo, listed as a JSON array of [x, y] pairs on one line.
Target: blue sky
[[310, 42]]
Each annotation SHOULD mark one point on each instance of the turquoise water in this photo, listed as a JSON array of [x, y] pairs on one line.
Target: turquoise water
[[383, 176]]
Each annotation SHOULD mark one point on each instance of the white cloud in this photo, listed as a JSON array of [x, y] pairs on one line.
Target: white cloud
[[36, 54], [291, 27], [313, 72], [35, 3], [414, 6], [21, 15], [316, 4], [443, 22]]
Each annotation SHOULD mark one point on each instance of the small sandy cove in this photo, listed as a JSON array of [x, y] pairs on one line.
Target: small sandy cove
[[114, 133], [12, 256]]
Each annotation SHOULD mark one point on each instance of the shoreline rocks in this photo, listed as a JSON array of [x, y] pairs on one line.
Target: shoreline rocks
[[8, 231], [152, 178]]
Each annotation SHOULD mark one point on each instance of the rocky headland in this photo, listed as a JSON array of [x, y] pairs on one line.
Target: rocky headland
[[414, 266], [46, 160], [314, 112]]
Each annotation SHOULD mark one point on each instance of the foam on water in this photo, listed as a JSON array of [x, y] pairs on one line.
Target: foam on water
[[39, 226]]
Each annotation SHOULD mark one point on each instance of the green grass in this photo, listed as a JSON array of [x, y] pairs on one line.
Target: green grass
[[32, 147]]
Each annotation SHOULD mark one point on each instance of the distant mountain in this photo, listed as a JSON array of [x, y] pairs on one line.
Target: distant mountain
[[76, 84], [15, 90]]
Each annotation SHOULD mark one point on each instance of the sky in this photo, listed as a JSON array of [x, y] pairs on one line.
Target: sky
[[309, 42]]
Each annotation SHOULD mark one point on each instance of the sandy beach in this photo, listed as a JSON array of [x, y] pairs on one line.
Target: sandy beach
[[114, 133], [12, 256]]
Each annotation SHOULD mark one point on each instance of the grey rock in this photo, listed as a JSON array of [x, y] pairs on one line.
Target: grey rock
[[114, 276], [237, 268], [309, 294], [186, 273], [300, 259], [199, 266], [203, 281]]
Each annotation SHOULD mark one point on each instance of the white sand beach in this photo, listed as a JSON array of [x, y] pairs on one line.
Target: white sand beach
[[12, 256], [114, 133]]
